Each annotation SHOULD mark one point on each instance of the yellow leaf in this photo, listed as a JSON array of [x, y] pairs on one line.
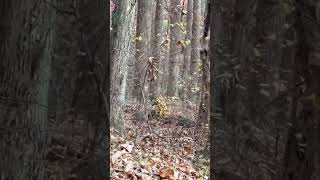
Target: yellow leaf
[[187, 42]]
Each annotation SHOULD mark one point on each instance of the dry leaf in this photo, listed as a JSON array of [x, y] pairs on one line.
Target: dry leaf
[[118, 154], [130, 170], [182, 168], [166, 173], [192, 171], [188, 148], [127, 147]]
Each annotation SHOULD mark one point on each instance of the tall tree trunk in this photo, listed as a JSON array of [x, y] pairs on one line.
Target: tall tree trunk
[[156, 49], [218, 47], [187, 50], [143, 34], [175, 47], [204, 107], [120, 58], [245, 76], [26, 52], [195, 48], [165, 49], [302, 151]]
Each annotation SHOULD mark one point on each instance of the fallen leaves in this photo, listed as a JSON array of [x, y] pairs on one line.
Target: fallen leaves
[[165, 153], [125, 148], [117, 155], [166, 173]]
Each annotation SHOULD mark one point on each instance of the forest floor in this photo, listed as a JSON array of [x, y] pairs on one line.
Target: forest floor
[[159, 148]]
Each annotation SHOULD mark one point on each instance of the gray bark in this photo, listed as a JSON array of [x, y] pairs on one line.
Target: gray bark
[[195, 48], [175, 47], [187, 50], [156, 49], [120, 58], [143, 34], [166, 54]]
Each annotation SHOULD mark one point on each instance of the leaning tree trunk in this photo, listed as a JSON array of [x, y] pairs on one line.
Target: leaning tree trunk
[[120, 58], [175, 47], [26, 53], [143, 34]]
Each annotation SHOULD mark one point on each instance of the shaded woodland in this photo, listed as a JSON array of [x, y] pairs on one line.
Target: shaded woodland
[[264, 89], [159, 89], [263, 57], [191, 89], [54, 75]]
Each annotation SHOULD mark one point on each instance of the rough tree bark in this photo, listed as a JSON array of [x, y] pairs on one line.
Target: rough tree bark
[[245, 47], [205, 89], [156, 49], [143, 34], [204, 108], [175, 47], [302, 151], [27, 35], [187, 49], [165, 49], [120, 58], [195, 48]]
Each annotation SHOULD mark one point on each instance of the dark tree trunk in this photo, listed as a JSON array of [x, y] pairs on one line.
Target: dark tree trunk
[[27, 35], [249, 127], [303, 149], [205, 95]]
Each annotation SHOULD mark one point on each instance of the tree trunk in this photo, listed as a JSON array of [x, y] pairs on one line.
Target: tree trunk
[[187, 50], [195, 49], [26, 52], [143, 32], [245, 46], [204, 98], [120, 58], [175, 47], [156, 50], [166, 51], [302, 151]]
